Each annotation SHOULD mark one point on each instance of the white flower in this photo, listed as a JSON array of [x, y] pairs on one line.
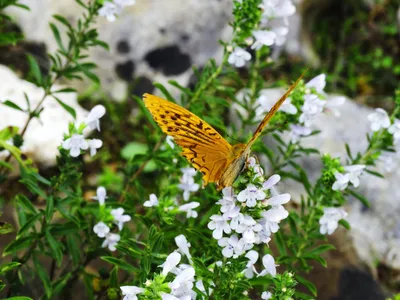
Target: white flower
[[269, 265], [101, 229], [170, 141], [123, 3], [250, 195], [277, 8], [318, 83], [152, 202], [354, 172], [110, 11], [298, 131], [235, 216], [252, 255], [333, 104], [185, 277], [93, 118], [342, 180], [228, 200], [101, 195], [395, 130], [329, 220], [233, 247], [94, 144], [119, 217], [130, 292], [271, 182], [187, 173], [183, 245], [265, 104], [388, 161], [238, 57], [248, 227], [171, 262], [75, 144], [281, 33], [111, 241], [188, 208], [218, 225], [311, 107], [379, 119], [266, 295], [263, 38], [278, 200], [264, 236], [275, 214], [188, 185]]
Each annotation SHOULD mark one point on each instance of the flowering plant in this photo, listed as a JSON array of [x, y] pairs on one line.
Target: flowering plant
[[143, 227]]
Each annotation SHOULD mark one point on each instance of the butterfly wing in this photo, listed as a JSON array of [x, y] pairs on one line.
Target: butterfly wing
[[202, 145]]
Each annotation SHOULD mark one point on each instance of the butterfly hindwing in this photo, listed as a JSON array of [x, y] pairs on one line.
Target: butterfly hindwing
[[202, 145]]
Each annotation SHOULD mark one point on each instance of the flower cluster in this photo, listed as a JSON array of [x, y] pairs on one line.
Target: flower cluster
[[329, 220], [251, 216], [352, 175], [115, 216], [187, 185], [181, 287], [76, 141], [314, 104], [111, 9], [272, 30]]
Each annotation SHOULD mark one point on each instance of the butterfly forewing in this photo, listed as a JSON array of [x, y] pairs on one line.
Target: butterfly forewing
[[202, 145]]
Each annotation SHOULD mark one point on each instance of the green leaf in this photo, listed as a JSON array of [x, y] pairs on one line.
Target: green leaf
[[9, 266], [54, 247], [35, 69], [18, 244], [185, 90], [359, 197], [280, 243], [12, 105], [41, 272], [120, 263], [68, 108], [309, 285], [74, 250], [320, 249], [91, 76], [345, 224], [5, 228], [164, 91], [302, 296], [8, 133], [31, 221], [63, 20], [65, 90], [57, 36], [321, 260], [377, 174], [49, 208], [18, 298], [114, 277], [26, 204]]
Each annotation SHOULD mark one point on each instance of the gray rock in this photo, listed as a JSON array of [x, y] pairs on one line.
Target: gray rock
[[156, 40]]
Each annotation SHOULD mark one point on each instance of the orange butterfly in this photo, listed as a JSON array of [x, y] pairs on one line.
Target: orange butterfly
[[202, 145]]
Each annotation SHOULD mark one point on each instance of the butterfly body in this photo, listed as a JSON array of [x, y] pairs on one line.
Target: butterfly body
[[201, 144]]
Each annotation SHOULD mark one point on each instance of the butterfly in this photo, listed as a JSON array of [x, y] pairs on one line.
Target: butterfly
[[202, 145]]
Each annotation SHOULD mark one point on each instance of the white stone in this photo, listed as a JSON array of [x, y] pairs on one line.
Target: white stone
[[140, 25], [43, 136]]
